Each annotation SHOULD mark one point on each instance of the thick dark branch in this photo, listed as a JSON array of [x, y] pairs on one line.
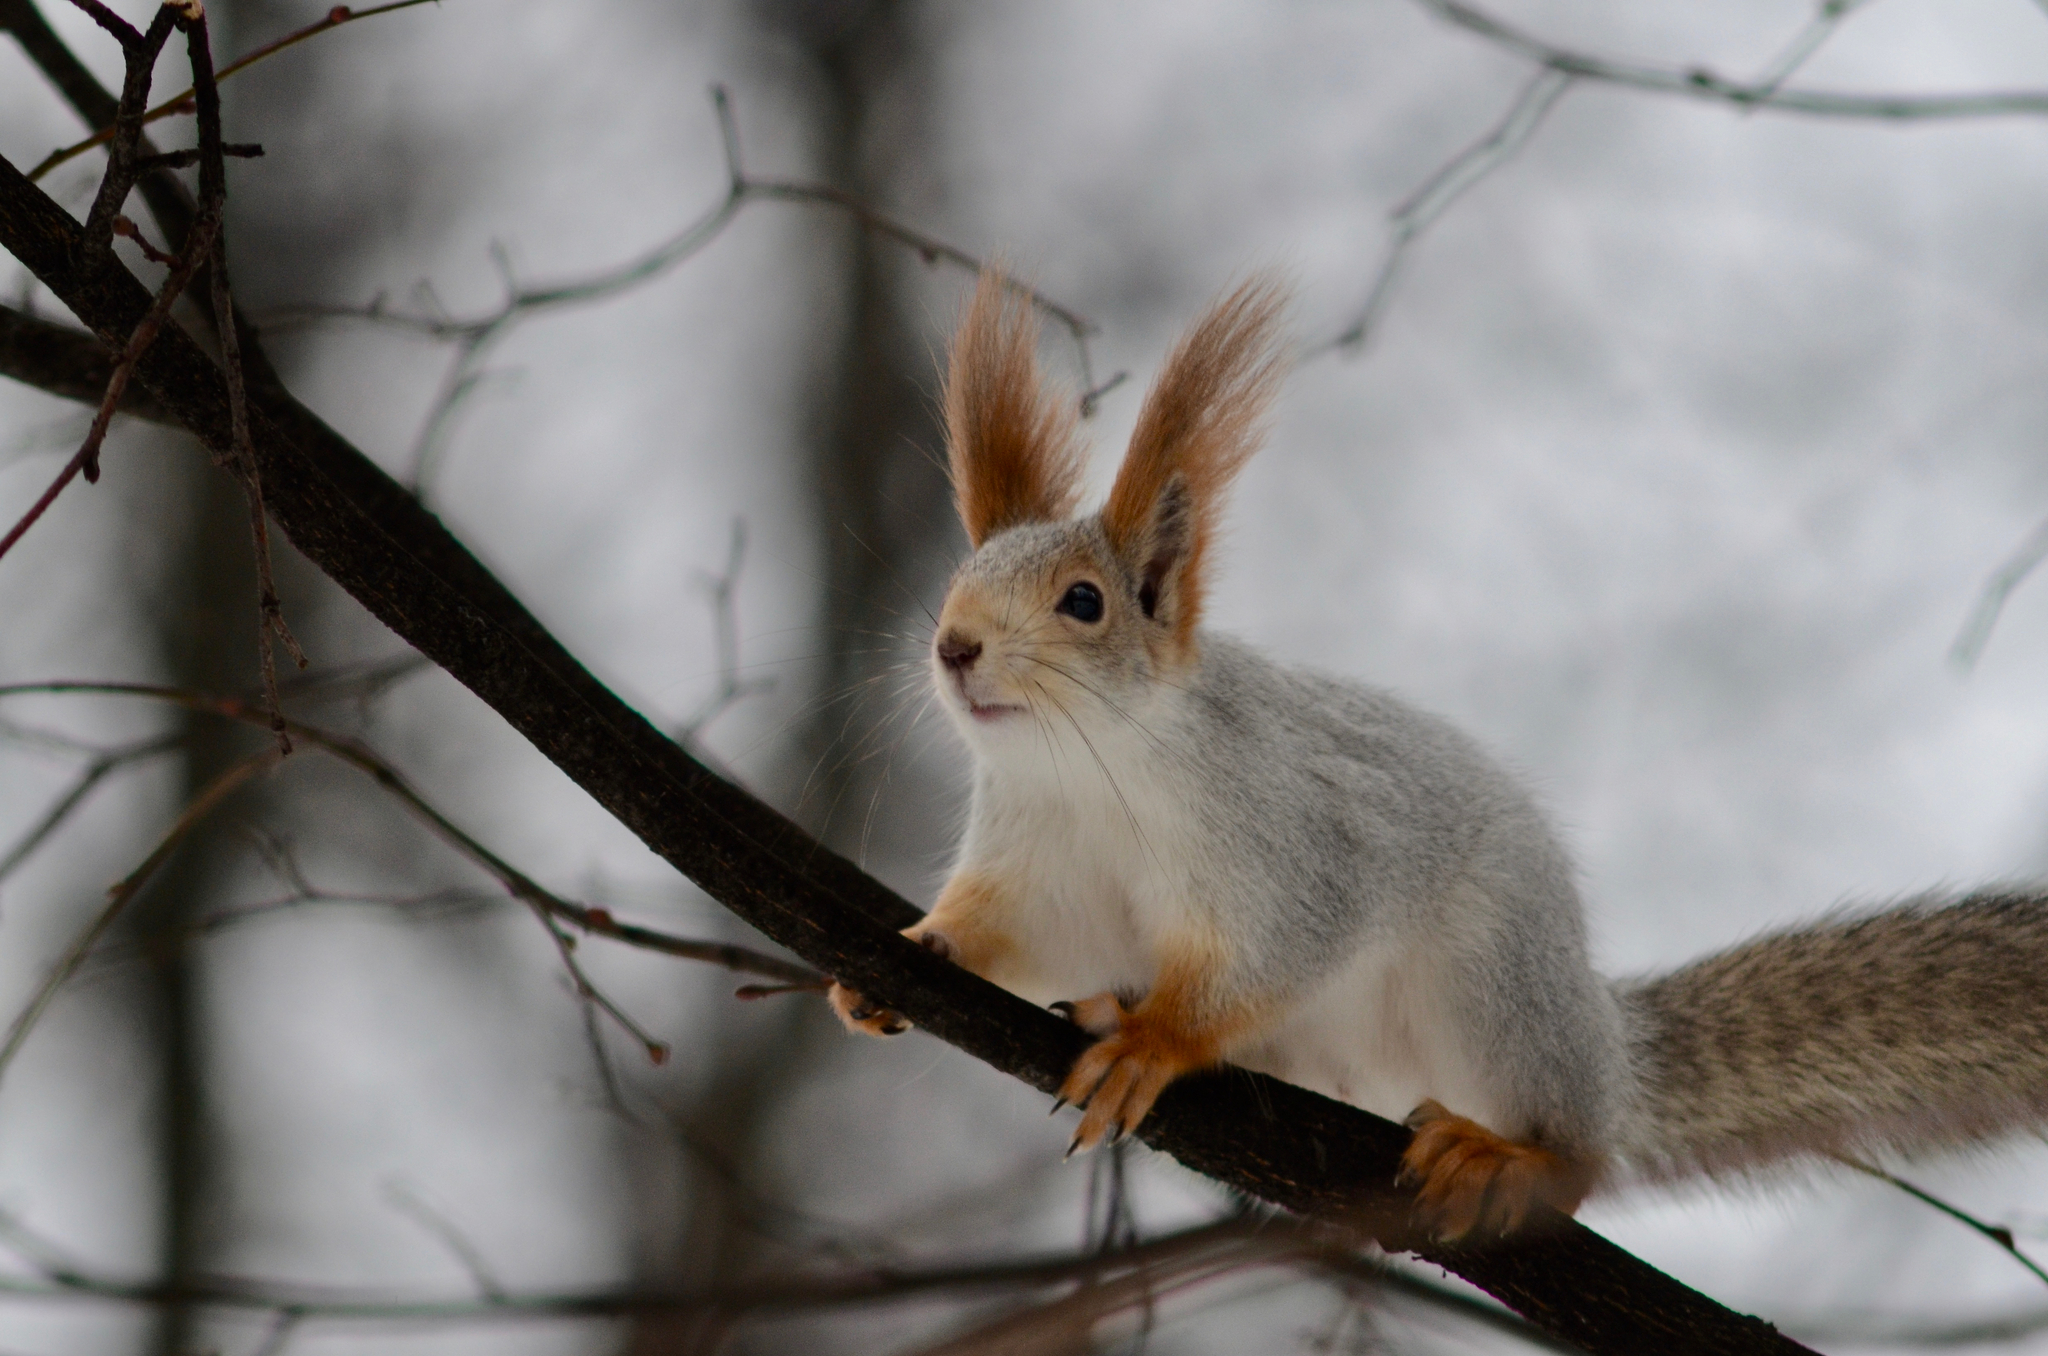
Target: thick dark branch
[[87, 459], [1264, 1137], [168, 201], [69, 363], [80, 88]]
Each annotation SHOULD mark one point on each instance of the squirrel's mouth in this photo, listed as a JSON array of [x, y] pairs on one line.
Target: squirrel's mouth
[[991, 711]]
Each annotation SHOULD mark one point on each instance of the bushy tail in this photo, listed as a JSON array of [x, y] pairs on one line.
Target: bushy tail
[[1924, 1027]]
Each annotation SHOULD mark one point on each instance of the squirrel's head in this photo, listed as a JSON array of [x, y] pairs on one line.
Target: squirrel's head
[[1056, 615]]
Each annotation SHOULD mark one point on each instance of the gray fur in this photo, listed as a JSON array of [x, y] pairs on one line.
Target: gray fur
[[1921, 1028], [1366, 822]]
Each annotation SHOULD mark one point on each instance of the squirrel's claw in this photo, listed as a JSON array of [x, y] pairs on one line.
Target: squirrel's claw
[[861, 1016], [1467, 1177], [1100, 1016], [1119, 1077], [864, 1018]]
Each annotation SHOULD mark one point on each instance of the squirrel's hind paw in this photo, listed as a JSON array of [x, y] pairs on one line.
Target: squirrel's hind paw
[[1467, 1177], [862, 1017]]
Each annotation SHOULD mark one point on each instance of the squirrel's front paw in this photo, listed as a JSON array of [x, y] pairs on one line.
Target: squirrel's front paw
[[862, 1017], [1468, 1177], [1119, 1077]]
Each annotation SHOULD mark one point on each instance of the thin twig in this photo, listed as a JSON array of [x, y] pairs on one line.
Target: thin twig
[[1976, 633], [97, 771], [1420, 210], [182, 103], [1237, 1242], [1699, 83], [118, 898], [241, 456], [1558, 68], [282, 1326], [86, 459], [139, 52], [431, 903], [1997, 1233], [476, 337], [1827, 17], [723, 591], [414, 1207], [587, 918]]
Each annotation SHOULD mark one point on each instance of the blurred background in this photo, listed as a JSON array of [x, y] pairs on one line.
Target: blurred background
[[1680, 443]]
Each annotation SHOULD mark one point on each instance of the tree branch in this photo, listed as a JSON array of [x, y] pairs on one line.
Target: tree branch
[[123, 893], [69, 363], [551, 907], [1267, 1138], [474, 338], [183, 103], [168, 201], [1769, 93]]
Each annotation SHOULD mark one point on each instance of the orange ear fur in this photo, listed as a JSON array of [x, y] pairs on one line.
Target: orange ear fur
[[1201, 420], [1011, 444]]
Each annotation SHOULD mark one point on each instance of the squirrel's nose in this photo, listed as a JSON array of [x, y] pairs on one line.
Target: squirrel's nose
[[957, 652]]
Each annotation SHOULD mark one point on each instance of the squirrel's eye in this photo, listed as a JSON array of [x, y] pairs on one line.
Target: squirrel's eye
[[1083, 602]]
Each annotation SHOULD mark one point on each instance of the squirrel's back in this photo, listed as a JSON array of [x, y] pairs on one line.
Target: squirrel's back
[[1423, 885]]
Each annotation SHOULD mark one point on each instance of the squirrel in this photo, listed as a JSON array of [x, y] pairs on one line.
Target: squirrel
[[1202, 856]]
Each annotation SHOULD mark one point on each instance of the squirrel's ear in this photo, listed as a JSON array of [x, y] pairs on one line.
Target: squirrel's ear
[[1201, 420], [1010, 443]]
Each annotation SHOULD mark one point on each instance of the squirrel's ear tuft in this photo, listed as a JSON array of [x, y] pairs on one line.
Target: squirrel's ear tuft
[[1011, 444], [1201, 420]]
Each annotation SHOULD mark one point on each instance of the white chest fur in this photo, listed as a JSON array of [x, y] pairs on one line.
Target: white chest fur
[[1105, 868]]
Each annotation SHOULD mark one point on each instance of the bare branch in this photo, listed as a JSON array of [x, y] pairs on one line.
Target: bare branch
[[1826, 18], [87, 458], [1976, 633], [95, 772], [1997, 1233], [139, 51], [240, 457], [1557, 69], [1699, 83], [732, 688], [168, 199], [1069, 1322], [67, 362], [415, 1208], [183, 103], [474, 338], [588, 918], [119, 897], [1109, 1282], [1420, 210]]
